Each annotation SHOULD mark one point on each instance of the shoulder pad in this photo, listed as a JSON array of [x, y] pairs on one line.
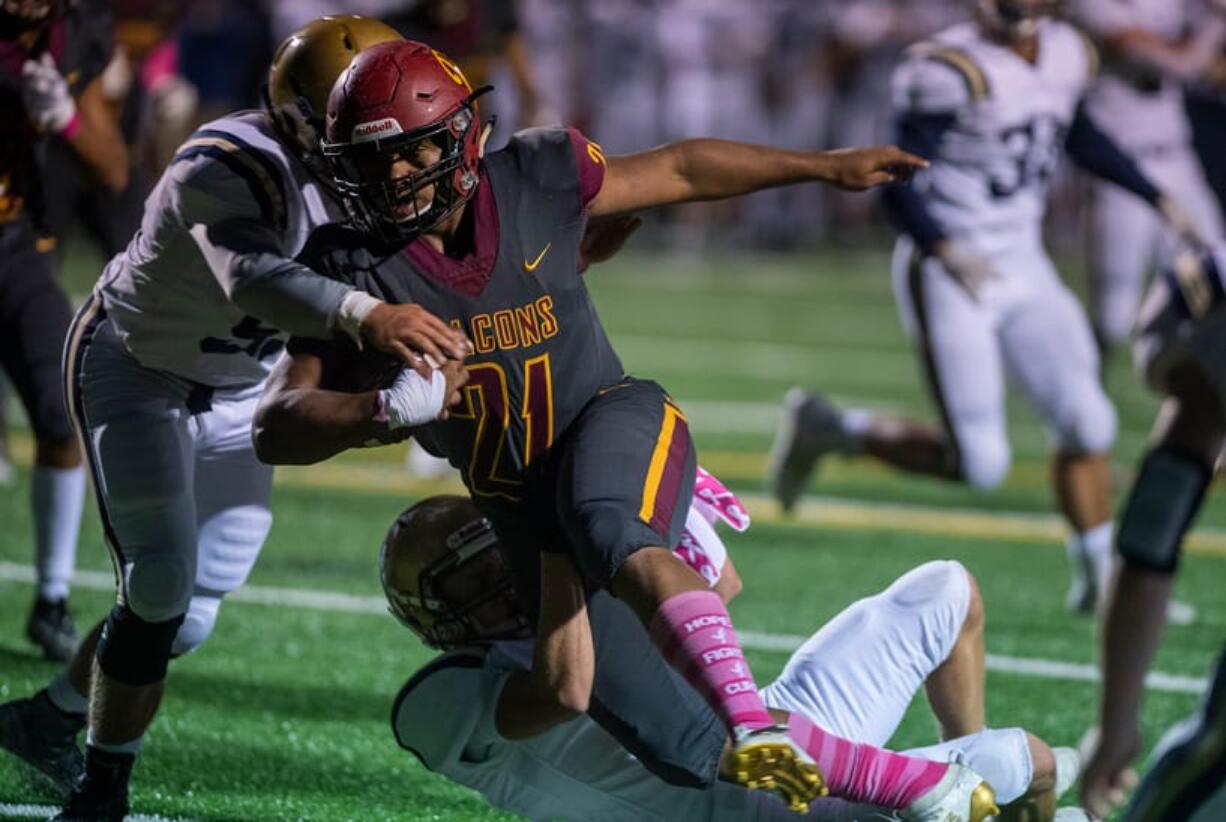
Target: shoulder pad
[[544, 155], [261, 174], [959, 60]]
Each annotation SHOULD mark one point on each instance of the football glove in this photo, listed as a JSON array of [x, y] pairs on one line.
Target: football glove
[[412, 399], [46, 96]]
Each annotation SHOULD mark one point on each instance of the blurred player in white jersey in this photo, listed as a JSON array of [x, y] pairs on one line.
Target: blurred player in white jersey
[[469, 714], [1138, 100], [1181, 350], [993, 103], [164, 365]]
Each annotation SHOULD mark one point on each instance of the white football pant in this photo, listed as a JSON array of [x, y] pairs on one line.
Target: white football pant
[[1026, 324], [856, 676], [184, 501]]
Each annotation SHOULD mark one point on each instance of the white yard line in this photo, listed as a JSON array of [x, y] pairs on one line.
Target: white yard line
[[11, 811], [783, 643]]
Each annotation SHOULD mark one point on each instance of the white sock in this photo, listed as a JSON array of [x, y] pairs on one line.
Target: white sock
[[1096, 545], [56, 497], [65, 697], [122, 748]]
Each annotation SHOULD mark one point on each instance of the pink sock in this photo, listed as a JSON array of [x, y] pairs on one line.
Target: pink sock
[[862, 773], [695, 634]]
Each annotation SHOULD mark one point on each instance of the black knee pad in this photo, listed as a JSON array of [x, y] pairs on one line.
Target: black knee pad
[[1165, 497], [133, 651]]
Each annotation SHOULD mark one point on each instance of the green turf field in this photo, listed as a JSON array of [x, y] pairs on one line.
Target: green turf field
[[284, 714]]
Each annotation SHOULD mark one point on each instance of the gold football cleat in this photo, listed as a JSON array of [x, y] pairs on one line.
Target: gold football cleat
[[768, 760]]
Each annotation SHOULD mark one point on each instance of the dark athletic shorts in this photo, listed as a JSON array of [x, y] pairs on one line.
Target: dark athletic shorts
[[619, 479]]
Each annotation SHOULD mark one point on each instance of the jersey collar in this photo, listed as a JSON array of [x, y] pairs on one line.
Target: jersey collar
[[467, 275]]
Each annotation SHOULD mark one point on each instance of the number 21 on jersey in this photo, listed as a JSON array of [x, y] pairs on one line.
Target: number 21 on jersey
[[488, 405]]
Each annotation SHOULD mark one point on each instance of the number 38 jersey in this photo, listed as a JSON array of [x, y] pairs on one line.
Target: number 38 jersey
[[541, 353], [1000, 123], [235, 180]]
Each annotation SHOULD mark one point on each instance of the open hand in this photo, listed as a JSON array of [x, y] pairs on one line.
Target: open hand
[[858, 169], [410, 332]]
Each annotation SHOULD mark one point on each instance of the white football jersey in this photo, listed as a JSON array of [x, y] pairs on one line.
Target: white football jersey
[[1007, 121], [168, 305], [1140, 110]]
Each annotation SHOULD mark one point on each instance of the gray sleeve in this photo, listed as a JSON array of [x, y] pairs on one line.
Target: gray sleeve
[[228, 217], [267, 285]]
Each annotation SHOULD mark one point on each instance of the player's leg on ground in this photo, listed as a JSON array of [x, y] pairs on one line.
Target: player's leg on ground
[[1026, 773], [34, 318], [855, 677], [1168, 491], [1050, 352], [136, 424]]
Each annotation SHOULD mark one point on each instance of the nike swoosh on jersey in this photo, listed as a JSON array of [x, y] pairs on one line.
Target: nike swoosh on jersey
[[531, 266]]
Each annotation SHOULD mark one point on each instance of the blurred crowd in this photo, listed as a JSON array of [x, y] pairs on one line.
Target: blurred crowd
[[630, 73]]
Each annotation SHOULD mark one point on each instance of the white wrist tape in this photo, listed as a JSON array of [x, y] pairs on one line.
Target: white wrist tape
[[353, 310], [412, 399]]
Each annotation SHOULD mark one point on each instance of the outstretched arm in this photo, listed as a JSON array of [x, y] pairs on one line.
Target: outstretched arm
[[704, 169], [301, 420], [1092, 149]]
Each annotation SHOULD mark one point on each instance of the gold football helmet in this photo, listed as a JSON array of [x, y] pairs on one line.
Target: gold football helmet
[[303, 70], [445, 576]]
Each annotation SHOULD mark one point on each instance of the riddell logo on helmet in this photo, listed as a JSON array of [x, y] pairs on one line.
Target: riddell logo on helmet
[[376, 130]]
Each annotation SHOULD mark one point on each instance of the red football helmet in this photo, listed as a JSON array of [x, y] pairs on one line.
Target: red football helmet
[[403, 101]]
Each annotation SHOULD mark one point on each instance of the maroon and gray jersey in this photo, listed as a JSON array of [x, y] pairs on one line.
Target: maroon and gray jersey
[[541, 351], [80, 44]]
